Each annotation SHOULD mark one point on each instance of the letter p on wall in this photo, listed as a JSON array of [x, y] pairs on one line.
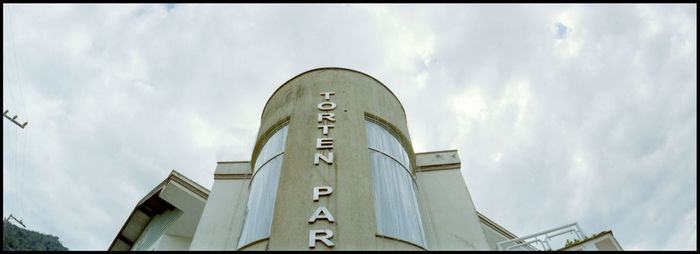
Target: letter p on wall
[[322, 191]]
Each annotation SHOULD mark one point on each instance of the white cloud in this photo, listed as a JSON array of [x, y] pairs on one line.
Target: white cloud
[[685, 235], [589, 121]]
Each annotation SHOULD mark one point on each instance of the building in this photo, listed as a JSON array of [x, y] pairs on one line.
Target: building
[[332, 169]]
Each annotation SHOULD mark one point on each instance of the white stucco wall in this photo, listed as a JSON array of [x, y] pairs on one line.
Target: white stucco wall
[[449, 217], [172, 242], [155, 229], [492, 237], [222, 218]]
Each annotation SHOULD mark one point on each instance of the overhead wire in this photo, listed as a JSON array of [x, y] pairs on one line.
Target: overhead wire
[[15, 164], [24, 110], [10, 142], [18, 76], [8, 105]]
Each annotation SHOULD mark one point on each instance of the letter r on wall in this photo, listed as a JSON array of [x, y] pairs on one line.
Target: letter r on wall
[[313, 236]]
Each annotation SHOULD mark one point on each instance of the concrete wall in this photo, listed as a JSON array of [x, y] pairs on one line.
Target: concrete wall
[[352, 200], [492, 237], [449, 216], [155, 229], [172, 242], [191, 205], [222, 218]]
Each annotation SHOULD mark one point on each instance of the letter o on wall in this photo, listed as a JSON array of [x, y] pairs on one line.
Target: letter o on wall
[[326, 105]]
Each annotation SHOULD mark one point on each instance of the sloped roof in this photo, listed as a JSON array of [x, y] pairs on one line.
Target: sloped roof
[[149, 206]]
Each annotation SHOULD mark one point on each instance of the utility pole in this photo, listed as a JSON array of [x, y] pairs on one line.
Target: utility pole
[[19, 221], [13, 119], [21, 126]]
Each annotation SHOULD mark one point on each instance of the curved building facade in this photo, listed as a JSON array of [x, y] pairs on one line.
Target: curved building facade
[[333, 168], [348, 163]]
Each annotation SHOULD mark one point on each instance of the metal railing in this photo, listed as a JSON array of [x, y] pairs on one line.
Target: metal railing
[[527, 241]]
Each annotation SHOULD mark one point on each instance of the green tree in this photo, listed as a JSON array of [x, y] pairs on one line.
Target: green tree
[[18, 239]]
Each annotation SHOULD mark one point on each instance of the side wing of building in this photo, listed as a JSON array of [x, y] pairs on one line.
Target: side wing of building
[[166, 218]]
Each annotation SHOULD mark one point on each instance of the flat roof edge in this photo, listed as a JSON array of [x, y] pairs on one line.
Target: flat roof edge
[[231, 162], [439, 151], [495, 226]]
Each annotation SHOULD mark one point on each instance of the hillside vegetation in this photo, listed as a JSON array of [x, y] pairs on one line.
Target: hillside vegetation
[[15, 238]]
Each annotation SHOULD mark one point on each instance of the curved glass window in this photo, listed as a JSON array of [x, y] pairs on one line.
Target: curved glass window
[[263, 189], [395, 201]]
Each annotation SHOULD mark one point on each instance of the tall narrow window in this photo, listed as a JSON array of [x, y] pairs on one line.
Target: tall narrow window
[[263, 188], [395, 201]]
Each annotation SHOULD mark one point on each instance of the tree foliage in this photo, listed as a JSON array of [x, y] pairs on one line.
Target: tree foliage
[[15, 238], [576, 241]]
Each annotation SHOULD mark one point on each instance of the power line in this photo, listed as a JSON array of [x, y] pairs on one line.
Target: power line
[[15, 164], [12, 96], [14, 51]]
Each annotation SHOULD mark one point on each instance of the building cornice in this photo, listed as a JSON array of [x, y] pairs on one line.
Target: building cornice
[[232, 176]]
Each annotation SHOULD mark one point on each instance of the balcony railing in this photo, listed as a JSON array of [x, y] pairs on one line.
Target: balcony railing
[[543, 238]]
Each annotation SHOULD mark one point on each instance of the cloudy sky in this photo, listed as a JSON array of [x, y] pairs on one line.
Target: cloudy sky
[[560, 113]]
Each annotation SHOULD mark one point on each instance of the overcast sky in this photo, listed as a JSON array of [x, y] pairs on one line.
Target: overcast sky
[[560, 113]]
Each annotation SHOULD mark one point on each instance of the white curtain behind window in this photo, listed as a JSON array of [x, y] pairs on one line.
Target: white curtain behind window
[[395, 201], [263, 189]]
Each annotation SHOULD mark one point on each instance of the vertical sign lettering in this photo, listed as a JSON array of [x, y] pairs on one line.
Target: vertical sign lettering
[[323, 143]]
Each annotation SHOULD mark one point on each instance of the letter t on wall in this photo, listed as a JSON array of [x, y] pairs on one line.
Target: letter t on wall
[[327, 95]]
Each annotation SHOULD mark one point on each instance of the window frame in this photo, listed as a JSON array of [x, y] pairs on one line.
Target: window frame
[[274, 130], [409, 169]]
